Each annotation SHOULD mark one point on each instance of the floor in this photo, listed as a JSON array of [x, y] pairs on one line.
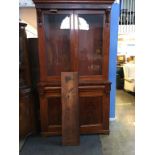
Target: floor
[[121, 140], [38, 145], [21, 143]]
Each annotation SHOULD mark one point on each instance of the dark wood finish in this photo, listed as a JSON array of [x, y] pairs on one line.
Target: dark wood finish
[[24, 68], [24, 113], [90, 51], [52, 63], [73, 1], [33, 60], [86, 49], [57, 59], [26, 103], [106, 44], [70, 108], [51, 112], [34, 70], [69, 6]]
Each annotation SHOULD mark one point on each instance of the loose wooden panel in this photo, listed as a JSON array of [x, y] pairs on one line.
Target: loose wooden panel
[[70, 108]]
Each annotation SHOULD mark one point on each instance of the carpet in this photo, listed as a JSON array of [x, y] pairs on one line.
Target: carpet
[[89, 145]]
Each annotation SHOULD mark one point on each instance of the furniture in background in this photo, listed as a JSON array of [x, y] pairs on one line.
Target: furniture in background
[[120, 77], [74, 36], [121, 59], [129, 77], [26, 103], [131, 59]]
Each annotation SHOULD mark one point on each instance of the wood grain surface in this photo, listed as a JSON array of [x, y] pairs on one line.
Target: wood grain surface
[[70, 108]]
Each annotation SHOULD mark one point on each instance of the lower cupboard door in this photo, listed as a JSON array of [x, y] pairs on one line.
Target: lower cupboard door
[[93, 113]]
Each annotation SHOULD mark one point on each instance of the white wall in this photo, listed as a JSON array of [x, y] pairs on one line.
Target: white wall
[[126, 44], [28, 15]]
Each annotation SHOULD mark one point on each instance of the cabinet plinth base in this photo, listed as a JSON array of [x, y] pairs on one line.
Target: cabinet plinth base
[[47, 134]]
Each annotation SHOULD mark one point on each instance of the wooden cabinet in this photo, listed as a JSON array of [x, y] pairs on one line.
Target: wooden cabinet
[[26, 102], [26, 111], [74, 36]]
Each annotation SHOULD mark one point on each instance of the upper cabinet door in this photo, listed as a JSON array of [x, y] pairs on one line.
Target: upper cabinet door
[[73, 40], [57, 34], [90, 42]]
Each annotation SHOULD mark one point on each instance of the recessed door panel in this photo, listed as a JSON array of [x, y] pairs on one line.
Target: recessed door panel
[[90, 110], [57, 27], [90, 44], [54, 111]]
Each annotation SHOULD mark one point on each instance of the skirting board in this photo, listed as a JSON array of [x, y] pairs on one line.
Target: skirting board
[[112, 118]]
